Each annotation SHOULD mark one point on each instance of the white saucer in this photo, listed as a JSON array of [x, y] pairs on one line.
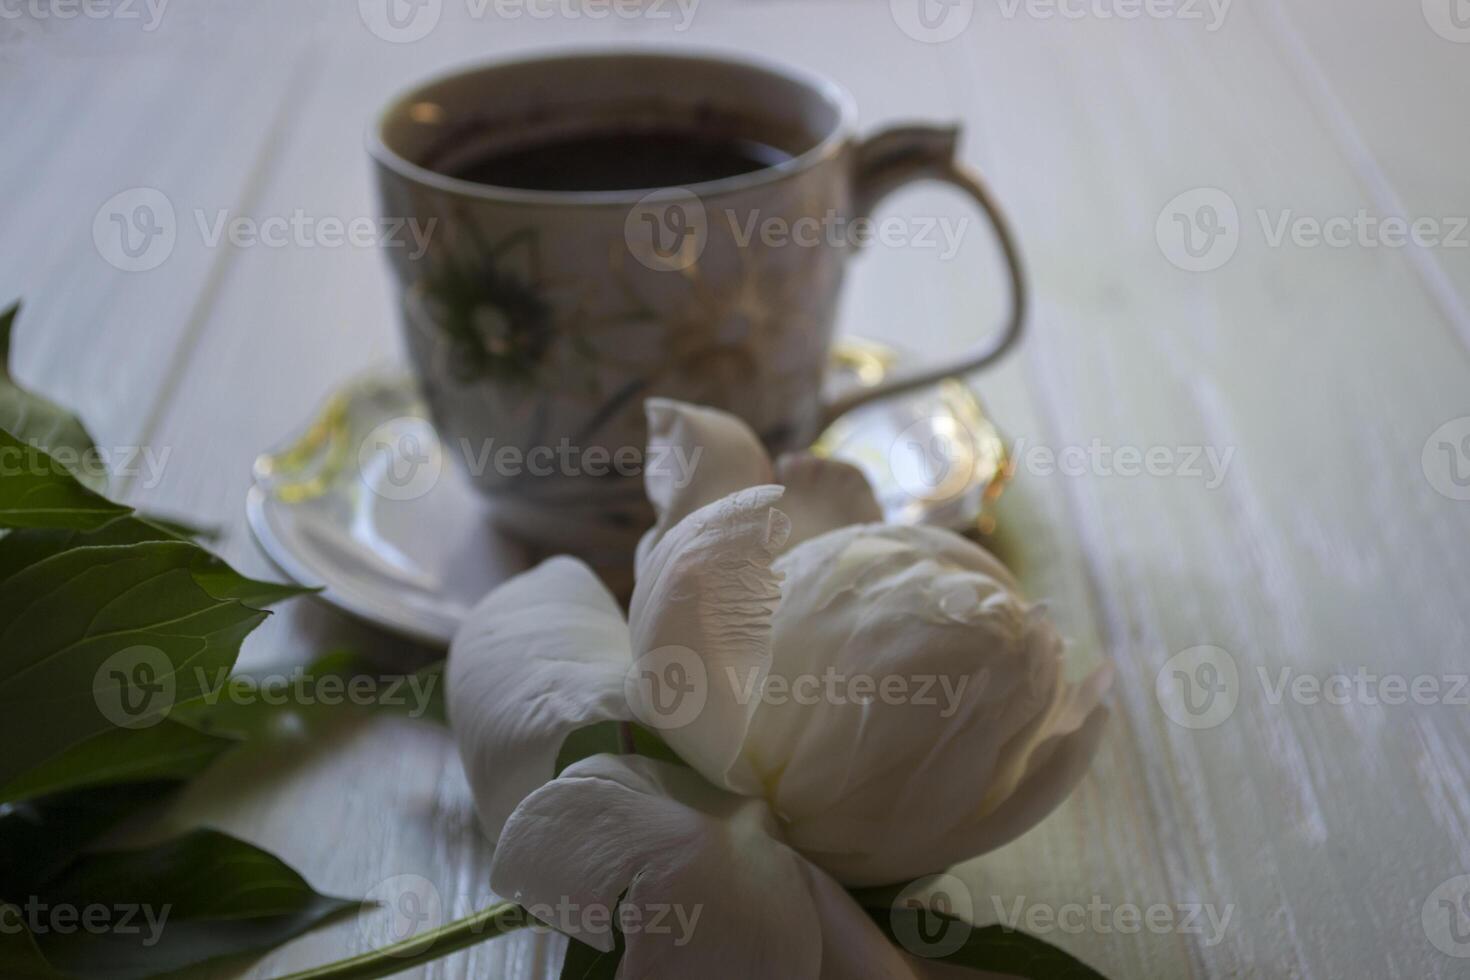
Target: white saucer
[[365, 504]]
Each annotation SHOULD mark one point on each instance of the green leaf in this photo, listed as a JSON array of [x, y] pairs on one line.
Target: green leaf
[[600, 738], [223, 582], [23, 548], [39, 837], [124, 754], [20, 959], [97, 638], [37, 421], [167, 750], [37, 491], [585, 963], [647, 743], [996, 948], [198, 898], [107, 621], [183, 529], [613, 738]]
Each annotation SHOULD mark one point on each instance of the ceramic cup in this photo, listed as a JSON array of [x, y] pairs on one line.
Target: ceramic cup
[[539, 321]]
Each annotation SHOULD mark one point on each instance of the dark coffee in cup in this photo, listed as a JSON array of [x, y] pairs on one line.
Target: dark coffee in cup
[[619, 159]]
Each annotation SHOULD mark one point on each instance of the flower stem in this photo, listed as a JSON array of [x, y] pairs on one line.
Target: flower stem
[[497, 920]]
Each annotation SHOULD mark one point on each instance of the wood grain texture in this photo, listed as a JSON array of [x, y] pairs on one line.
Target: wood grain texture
[[1324, 549]]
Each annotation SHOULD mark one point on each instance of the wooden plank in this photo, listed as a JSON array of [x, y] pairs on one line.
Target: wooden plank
[[99, 124], [1324, 549], [1325, 371], [1387, 81]]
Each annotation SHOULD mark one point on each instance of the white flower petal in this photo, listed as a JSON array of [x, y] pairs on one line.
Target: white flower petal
[[963, 715], [823, 495], [1055, 766], [704, 602], [1069, 709], [541, 656], [853, 947], [660, 837], [695, 456], [1024, 741]]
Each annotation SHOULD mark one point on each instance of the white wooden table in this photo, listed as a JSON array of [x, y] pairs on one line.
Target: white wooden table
[[1333, 545]]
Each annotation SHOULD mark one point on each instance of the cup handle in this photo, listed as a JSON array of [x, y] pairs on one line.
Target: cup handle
[[886, 161]]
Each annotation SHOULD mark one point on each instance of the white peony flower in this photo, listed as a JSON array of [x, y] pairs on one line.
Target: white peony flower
[[865, 703], [632, 833]]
